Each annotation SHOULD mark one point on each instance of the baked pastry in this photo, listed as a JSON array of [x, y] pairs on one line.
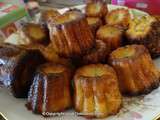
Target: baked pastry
[[146, 31], [157, 17], [97, 54], [36, 33], [94, 23], [51, 56], [50, 91], [118, 17], [96, 91], [111, 35], [135, 70], [71, 35], [139, 27], [96, 9], [17, 68], [49, 15]]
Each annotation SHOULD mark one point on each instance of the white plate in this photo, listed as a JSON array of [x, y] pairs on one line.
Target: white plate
[[135, 108]]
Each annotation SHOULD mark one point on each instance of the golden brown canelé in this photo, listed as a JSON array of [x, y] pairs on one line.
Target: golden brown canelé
[[119, 17], [49, 15], [71, 35], [96, 91], [146, 31], [96, 9], [135, 69], [111, 35], [94, 23], [51, 56], [36, 33], [50, 91], [17, 68], [98, 54]]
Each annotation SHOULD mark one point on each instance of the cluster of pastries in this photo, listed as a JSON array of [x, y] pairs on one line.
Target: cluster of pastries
[[87, 61], [145, 30]]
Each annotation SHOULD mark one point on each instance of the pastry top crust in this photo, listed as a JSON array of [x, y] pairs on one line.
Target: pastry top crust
[[119, 16], [139, 27], [128, 52], [51, 68], [96, 9], [108, 31], [68, 17], [94, 70], [35, 32]]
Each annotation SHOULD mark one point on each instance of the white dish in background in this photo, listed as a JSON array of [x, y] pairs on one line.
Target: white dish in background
[[136, 108]]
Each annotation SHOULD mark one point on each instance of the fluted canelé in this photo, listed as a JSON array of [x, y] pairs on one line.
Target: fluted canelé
[[50, 91], [135, 69], [71, 35], [96, 91]]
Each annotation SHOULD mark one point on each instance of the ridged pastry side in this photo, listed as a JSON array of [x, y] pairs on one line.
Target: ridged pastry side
[[135, 70], [96, 92], [50, 91], [71, 35]]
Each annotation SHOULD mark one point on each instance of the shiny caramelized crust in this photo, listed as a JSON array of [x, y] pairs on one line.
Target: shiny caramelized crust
[[36, 33], [50, 91], [71, 35], [145, 30], [118, 17], [17, 68], [111, 35], [96, 92], [51, 56], [96, 9], [94, 23], [97, 54], [135, 69], [49, 15]]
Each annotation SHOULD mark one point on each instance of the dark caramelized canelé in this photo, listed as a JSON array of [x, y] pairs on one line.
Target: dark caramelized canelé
[[135, 70], [111, 35], [146, 31], [71, 35], [17, 68], [50, 91], [36, 33], [118, 17], [96, 91], [51, 56], [96, 9], [98, 54]]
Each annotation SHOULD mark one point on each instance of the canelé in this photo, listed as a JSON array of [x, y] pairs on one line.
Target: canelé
[[96, 91], [135, 70]]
